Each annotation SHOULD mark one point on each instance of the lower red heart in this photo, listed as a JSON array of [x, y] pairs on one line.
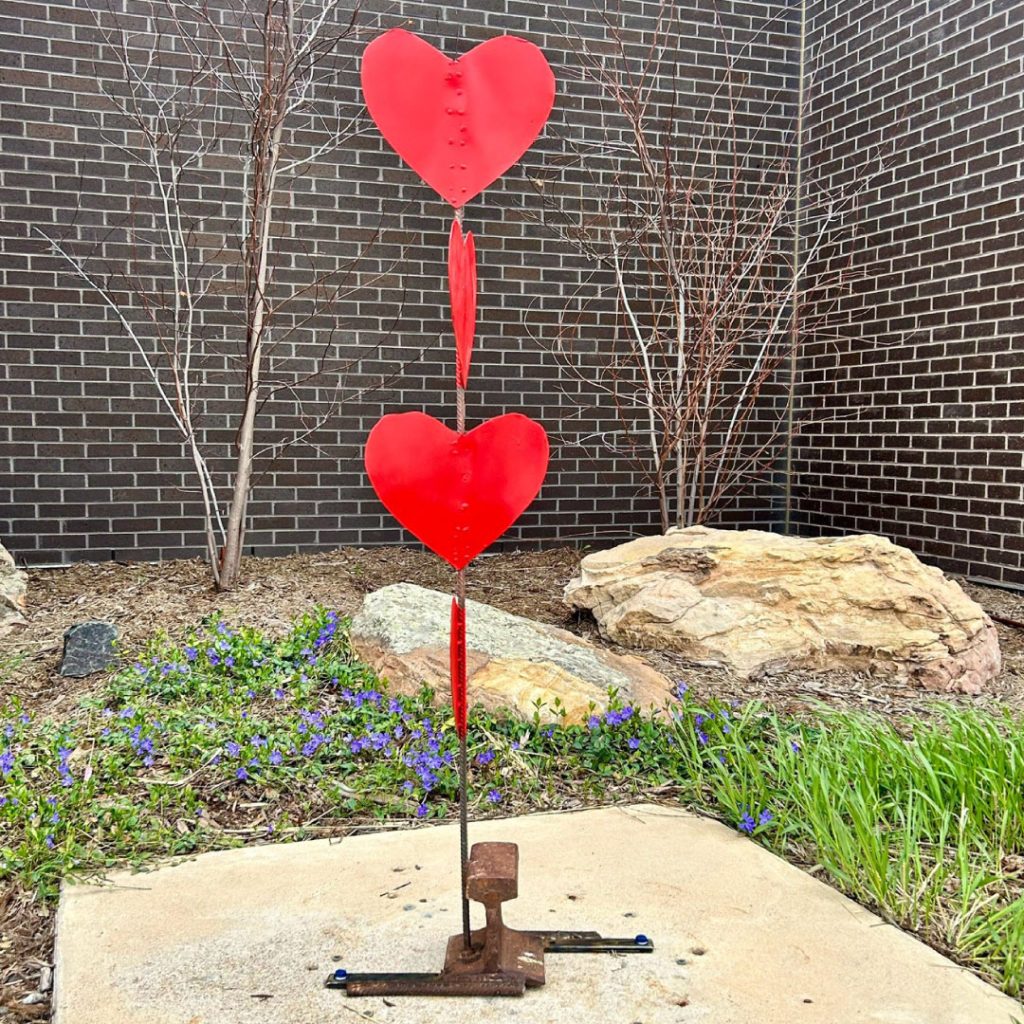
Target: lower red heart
[[456, 492]]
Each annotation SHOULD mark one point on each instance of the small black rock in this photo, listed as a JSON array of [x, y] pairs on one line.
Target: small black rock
[[88, 648]]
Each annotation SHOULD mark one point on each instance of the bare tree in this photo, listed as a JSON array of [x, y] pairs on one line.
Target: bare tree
[[702, 234], [237, 91]]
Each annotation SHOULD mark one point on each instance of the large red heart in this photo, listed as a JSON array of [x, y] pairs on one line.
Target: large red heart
[[457, 492], [460, 124]]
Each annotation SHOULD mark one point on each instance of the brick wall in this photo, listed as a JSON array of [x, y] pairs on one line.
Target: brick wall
[[90, 467], [916, 404]]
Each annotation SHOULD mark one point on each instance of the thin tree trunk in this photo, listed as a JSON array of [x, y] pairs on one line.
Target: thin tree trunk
[[267, 154]]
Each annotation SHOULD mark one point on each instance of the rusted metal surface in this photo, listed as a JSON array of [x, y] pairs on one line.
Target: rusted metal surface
[[493, 876], [498, 961], [432, 984]]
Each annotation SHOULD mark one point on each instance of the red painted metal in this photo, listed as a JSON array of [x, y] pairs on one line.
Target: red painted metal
[[460, 124], [457, 657], [456, 492], [462, 290]]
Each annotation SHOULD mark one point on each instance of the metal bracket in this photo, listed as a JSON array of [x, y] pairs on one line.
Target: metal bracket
[[499, 961]]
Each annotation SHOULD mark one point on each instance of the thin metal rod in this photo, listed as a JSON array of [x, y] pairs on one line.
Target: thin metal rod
[[460, 596], [467, 938]]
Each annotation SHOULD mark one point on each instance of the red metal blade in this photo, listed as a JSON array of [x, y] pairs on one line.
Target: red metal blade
[[457, 658], [462, 291]]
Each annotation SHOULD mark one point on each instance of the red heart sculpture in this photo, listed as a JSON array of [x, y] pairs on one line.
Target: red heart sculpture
[[457, 492], [460, 124]]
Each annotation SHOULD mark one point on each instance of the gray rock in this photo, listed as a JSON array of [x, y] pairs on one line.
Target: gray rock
[[88, 648], [13, 589], [512, 662]]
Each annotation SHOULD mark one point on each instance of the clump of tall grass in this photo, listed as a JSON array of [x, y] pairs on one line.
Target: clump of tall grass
[[921, 820]]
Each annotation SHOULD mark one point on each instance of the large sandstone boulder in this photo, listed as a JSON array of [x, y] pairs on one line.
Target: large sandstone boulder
[[512, 662], [13, 590], [758, 602]]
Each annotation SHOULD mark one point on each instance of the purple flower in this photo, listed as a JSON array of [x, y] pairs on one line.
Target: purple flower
[[232, 748], [242, 775], [681, 689], [421, 811], [50, 842], [633, 744], [702, 738], [593, 722], [485, 758], [764, 817], [275, 757], [279, 694], [494, 796], [191, 653], [746, 823], [794, 746], [6, 762]]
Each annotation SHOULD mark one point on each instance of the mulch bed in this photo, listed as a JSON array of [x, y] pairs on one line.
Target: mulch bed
[[141, 598]]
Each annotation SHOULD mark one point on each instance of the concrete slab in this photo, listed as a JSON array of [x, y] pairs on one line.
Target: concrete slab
[[247, 936]]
